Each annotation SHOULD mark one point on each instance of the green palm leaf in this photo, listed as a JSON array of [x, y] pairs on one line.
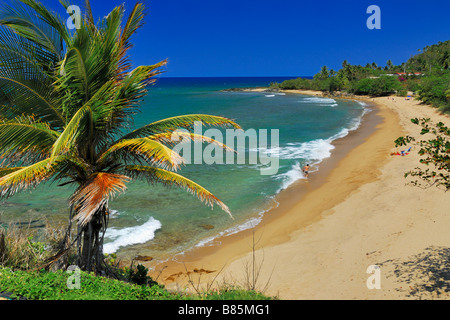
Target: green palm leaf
[[35, 23], [185, 121], [150, 150], [172, 138], [80, 123], [31, 97], [25, 177], [24, 134], [134, 22]]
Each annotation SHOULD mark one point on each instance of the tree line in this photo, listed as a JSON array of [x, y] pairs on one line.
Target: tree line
[[426, 74]]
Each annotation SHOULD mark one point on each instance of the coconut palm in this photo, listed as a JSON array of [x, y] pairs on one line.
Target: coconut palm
[[67, 101]]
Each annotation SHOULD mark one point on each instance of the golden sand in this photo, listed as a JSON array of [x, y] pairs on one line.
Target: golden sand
[[356, 211]]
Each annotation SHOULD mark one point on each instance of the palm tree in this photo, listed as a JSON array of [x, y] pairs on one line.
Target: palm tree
[[445, 60], [67, 100], [389, 64]]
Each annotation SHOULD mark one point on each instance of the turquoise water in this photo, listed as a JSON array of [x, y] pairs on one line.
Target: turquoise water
[[157, 221]]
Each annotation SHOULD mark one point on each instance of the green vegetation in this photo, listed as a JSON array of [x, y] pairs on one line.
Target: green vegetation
[[22, 252], [46, 285], [435, 90], [426, 74], [22, 247], [435, 152]]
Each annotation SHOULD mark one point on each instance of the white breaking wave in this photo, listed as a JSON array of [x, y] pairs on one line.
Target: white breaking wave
[[311, 152], [132, 235], [318, 100], [291, 176]]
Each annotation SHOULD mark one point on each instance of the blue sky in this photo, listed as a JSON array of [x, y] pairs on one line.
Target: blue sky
[[279, 38]]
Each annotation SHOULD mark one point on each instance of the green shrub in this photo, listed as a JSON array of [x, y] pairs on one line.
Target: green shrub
[[47, 285], [383, 85], [434, 90], [402, 92]]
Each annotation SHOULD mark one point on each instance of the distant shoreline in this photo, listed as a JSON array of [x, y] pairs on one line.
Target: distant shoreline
[[299, 91]]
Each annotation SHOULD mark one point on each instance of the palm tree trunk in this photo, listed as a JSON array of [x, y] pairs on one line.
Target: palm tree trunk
[[90, 249]]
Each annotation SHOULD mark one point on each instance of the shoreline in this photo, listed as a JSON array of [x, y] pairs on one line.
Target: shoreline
[[363, 213], [174, 271]]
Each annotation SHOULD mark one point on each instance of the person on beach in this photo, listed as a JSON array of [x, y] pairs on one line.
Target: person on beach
[[306, 170]]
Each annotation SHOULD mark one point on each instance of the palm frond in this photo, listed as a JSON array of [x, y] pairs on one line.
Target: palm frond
[[172, 138], [51, 18], [89, 15], [6, 171], [134, 22], [80, 123], [73, 64], [35, 23], [184, 121], [25, 177], [168, 178], [95, 193], [151, 151], [125, 101], [25, 135], [31, 98]]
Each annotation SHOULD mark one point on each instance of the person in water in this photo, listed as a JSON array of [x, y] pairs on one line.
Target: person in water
[[306, 170]]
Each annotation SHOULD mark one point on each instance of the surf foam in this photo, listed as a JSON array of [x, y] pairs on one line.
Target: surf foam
[[131, 235]]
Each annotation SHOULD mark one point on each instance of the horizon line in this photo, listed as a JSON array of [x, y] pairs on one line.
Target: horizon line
[[234, 76]]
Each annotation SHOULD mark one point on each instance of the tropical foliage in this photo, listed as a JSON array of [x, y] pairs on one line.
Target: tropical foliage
[[67, 101], [427, 74], [44, 285], [435, 152]]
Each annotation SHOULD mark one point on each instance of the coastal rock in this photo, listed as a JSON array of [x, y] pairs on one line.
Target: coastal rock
[[207, 226], [250, 89], [143, 258]]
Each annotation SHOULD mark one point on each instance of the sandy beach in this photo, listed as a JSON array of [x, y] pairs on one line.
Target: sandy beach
[[356, 211]]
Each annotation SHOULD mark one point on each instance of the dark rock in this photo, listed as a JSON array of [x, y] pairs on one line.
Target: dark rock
[[143, 258]]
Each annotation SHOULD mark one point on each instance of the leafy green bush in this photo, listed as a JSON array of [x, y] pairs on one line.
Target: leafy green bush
[[377, 86], [402, 92], [434, 90], [46, 285], [435, 154]]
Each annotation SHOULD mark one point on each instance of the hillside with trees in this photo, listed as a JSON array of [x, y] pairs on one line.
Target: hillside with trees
[[426, 75]]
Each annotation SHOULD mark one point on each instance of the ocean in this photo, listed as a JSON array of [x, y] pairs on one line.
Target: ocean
[[161, 222]]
